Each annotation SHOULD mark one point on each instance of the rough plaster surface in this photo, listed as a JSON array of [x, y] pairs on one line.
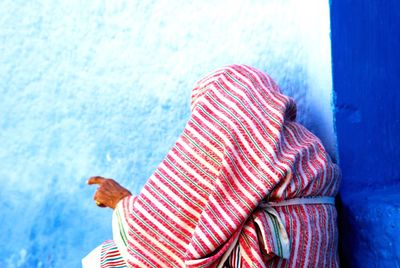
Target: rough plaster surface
[[366, 80], [369, 235], [102, 88]]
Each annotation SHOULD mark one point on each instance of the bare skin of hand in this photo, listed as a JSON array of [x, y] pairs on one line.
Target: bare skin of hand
[[109, 192]]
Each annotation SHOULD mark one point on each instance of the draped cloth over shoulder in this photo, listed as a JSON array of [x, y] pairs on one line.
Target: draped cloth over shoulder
[[240, 148]]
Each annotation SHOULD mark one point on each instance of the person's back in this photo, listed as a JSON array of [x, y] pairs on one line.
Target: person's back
[[298, 214], [245, 185]]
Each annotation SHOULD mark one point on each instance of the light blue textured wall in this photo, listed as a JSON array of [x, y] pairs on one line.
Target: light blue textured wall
[[102, 88]]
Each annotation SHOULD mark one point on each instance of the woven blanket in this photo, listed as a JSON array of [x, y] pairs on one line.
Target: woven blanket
[[201, 207]]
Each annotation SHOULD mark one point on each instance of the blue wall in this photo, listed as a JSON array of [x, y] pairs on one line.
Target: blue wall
[[366, 80], [102, 88]]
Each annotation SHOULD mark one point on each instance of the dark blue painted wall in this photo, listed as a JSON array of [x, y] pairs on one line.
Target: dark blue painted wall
[[366, 80]]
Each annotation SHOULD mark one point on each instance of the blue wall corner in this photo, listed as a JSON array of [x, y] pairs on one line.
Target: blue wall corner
[[366, 80]]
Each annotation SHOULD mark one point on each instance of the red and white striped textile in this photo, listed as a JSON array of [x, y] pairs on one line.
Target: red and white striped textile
[[207, 204]]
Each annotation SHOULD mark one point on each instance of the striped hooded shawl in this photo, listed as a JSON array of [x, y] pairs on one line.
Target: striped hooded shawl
[[206, 203]]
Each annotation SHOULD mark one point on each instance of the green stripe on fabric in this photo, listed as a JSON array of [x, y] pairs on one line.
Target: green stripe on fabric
[[254, 98], [226, 206], [245, 239], [236, 193], [185, 176], [277, 235], [208, 133], [194, 239], [201, 149], [121, 227], [238, 146], [154, 250], [250, 162], [171, 204], [111, 259], [195, 164], [158, 234], [211, 234], [265, 131], [287, 212], [142, 257], [260, 195], [177, 189], [165, 220], [248, 133], [218, 219]]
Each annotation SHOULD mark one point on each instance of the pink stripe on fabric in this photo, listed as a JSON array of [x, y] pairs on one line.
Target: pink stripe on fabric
[[241, 147]]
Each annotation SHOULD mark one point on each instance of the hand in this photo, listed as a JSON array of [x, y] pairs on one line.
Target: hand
[[109, 192]]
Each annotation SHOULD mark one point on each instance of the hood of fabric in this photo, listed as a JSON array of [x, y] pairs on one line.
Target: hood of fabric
[[256, 79], [241, 147]]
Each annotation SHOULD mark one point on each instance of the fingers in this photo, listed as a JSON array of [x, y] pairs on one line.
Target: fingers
[[96, 180], [98, 200], [98, 196], [109, 192]]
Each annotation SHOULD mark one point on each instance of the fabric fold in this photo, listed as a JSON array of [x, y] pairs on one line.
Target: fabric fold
[[240, 147], [120, 226]]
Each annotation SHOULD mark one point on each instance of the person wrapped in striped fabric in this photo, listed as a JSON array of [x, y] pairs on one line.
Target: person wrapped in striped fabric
[[245, 185]]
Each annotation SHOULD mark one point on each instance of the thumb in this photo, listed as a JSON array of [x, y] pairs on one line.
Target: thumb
[[95, 180]]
